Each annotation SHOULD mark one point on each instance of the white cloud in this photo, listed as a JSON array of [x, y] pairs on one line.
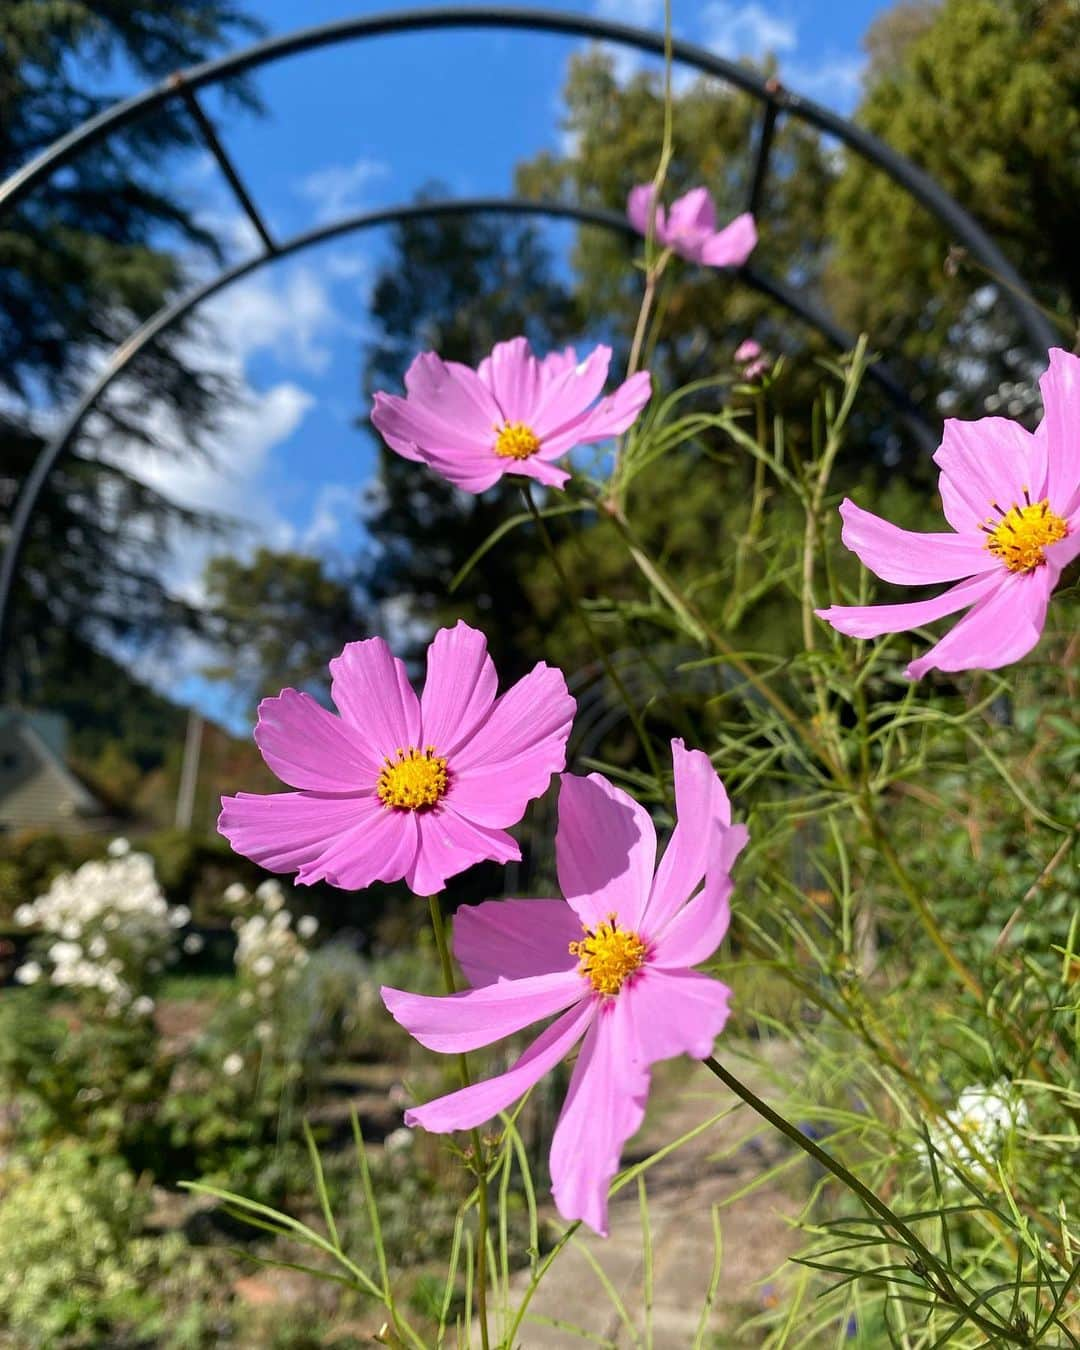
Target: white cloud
[[734, 30], [340, 189], [836, 81], [335, 505], [291, 319]]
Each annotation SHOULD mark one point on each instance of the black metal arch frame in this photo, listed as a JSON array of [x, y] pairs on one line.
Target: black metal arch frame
[[183, 86]]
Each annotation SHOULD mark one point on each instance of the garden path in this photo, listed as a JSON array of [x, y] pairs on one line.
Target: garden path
[[756, 1231]]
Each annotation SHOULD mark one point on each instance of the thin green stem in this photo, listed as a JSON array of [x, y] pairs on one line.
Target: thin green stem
[[928, 1263], [594, 640], [479, 1165]]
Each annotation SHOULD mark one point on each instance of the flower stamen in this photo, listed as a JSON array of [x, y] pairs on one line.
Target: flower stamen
[[609, 955], [515, 440], [413, 779], [1023, 532]]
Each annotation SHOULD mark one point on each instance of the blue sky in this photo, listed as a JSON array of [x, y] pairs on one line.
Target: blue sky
[[363, 125]]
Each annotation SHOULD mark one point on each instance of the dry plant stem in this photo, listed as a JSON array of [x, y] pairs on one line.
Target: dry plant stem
[[931, 1265], [594, 640], [439, 930]]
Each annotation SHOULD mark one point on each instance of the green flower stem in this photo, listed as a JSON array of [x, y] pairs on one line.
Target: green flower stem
[[594, 639], [704, 633], [483, 1219], [928, 1263]]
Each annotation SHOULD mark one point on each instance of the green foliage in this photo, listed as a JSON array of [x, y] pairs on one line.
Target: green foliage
[[73, 1266], [86, 255], [276, 618], [984, 95]]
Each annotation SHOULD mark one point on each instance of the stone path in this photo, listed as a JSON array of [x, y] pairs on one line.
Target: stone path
[[682, 1189]]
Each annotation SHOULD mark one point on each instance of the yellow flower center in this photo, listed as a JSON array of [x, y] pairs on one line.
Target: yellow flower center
[[1019, 536], [413, 779], [609, 955], [515, 440]]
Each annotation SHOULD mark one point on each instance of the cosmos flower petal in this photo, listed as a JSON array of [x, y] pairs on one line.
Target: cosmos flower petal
[[513, 376], [513, 753], [474, 472], [604, 1107], [639, 207], [512, 415], [456, 1022], [472, 1106], [731, 246], [1059, 555], [514, 939], [398, 430], [697, 929], [605, 849], [700, 803], [1001, 628], [371, 690], [460, 687], [869, 621], [903, 556], [1060, 388], [398, 789], [676, 1012], [567, 396], [308, 747], [317, 836], [454, 393], [693, 213], [381, 846], [413, 423], [450, 843], [611, 416], [983, 462], [539, 469]]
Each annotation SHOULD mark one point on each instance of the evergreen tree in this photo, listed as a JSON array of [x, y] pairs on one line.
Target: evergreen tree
[[985, 96], [86, 256]]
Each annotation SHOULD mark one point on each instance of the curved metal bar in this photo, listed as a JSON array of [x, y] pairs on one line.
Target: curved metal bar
[[169, 316], [898, 167]]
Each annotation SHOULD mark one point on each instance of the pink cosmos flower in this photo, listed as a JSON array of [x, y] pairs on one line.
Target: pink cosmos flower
[[1013, 500], [614, 959], [398, 786], [513, 414], [689, 228]]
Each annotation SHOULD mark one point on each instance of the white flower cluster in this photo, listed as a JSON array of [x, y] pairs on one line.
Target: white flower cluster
[[112, 927], [979, 1124], [270, 953]]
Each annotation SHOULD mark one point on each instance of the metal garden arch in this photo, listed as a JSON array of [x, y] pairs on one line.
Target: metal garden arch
[[181, 89]]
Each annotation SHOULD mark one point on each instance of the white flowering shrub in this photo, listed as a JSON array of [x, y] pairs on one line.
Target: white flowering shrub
[[106, 931]]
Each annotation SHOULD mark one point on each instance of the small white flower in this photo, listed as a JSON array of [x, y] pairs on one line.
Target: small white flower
[[232, 1064], [307, 926], [193, 943], [28, 973], [180, 916], [264, 1030], [235, 893], [119, 848], [262, 965], [143, 1006], [25, 915], [399, 1140]]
